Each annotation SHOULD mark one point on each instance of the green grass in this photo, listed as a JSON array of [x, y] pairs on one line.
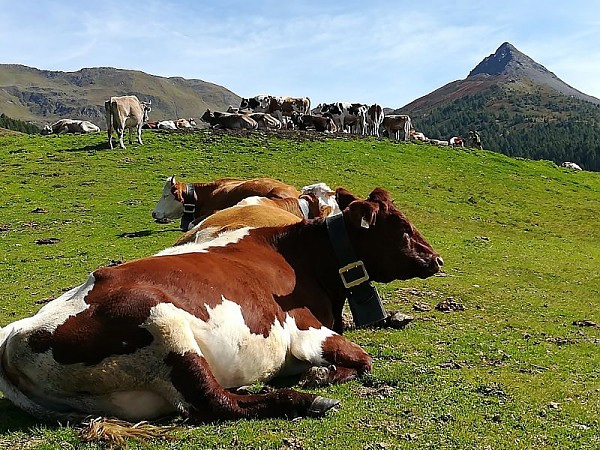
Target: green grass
[[520, 241]]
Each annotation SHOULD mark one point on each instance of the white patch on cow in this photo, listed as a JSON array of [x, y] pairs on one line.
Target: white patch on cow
[[254, 200], [224, 239], [54, 313], [235, 355], [325, 195]]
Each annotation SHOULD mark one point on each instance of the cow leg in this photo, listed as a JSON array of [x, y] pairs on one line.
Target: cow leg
[[323, 347], [207, 400], [121, 133], [139, 134]]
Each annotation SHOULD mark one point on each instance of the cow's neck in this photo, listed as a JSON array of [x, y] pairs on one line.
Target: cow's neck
[[307, 249]]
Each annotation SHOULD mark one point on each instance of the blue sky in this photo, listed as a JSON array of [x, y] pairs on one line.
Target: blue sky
[[390, 52]]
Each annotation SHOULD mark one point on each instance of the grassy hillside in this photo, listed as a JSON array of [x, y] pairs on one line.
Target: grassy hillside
[[45, 96], [520, 241]]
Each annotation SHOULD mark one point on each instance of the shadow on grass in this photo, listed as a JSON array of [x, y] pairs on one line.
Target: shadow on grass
[[90, 148], [14, 419], [145, 233]]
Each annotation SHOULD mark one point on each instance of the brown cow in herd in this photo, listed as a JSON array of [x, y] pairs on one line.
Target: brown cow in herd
[[175, 333]]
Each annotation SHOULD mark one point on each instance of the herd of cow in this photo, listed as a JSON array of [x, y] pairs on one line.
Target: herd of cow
[[259, 112], [253, 290]]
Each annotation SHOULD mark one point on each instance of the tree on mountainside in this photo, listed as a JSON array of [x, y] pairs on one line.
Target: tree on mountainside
[[530, 127], [18, 125]]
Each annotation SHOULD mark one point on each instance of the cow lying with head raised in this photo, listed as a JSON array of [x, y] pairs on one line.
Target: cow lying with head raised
[[316, 201], [195, 201], [173, 333]]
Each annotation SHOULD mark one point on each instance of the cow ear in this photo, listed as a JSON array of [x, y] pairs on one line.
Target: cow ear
[[344, 197], [362, 214]]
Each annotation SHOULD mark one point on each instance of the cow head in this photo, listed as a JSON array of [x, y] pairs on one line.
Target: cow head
[[384, 239], [207, 116], [325, 196], [46, 130], [146, 108], [170, 205]]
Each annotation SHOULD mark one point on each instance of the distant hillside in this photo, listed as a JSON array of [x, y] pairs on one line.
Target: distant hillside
[[519, 107], [42, 96]]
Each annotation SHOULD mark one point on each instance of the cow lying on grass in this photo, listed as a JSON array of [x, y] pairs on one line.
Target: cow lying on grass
[[173, 333], [70, 126], [196, 201]]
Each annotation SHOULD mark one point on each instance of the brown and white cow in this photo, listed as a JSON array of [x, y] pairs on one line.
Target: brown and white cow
[[126, 112], [195, 201], [456, 141], [397, 125], [316, 201], [71, 126], [229, 121], [184, 124], [176, 332], [264, 213]]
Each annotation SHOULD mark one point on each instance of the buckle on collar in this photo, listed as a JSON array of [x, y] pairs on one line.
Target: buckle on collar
[[189, 208], [347, 268]]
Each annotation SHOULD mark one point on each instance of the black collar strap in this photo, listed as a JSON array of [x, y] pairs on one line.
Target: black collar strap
[[363, 298], [189, 206]]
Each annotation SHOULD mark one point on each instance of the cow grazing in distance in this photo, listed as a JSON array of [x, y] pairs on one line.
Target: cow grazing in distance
[[229, 121], [346, 115], [175, 333], [571, 165], [70, 126], [278, 107], [166, 125], [151, 125], [418, 136], [456, 141], [258, 103], [126, 112], [323, 124], [185, 124], [265, 121], [196, 201], [374, 119], [397, 125]]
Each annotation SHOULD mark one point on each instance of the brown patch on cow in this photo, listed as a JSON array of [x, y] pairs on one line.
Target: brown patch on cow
[[191, 375], [110, 326], [341, 352]]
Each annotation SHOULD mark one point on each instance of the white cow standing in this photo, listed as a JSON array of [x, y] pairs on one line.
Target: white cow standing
[[126, 112]]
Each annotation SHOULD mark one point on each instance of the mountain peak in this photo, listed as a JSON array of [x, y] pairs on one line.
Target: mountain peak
[[507, 60]]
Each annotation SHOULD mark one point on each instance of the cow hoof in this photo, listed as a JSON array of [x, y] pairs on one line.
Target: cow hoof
[[321, 405]]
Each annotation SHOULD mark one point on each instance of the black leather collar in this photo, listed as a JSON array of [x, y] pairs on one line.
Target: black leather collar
[[363, 298], [189, 207]]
